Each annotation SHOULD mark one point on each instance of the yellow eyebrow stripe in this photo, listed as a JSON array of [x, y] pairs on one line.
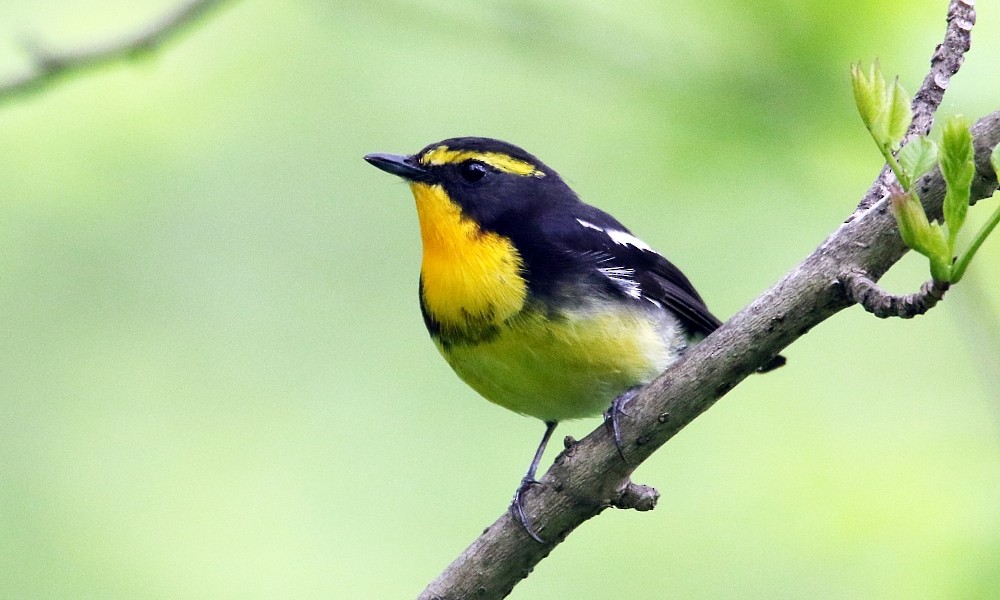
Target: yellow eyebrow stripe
[[442, 155]]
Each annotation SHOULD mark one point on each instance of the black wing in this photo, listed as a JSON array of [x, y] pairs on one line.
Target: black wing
[[665, 283], [567, 244], [597, 241]]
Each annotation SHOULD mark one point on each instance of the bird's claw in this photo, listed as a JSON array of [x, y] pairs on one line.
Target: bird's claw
[[517, 508], [612, 418]]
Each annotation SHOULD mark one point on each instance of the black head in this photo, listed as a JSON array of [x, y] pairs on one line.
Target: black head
[[489, 179]]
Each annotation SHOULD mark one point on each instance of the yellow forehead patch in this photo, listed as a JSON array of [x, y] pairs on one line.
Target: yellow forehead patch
[[442, 155]]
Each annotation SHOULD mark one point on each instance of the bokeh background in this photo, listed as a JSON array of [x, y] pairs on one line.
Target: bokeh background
[[214, 378]]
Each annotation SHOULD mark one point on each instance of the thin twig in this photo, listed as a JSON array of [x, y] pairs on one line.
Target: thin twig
[[48, 65], [945, 63], [860, 288]]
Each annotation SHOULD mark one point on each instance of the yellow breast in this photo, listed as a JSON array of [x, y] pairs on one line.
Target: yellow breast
[[568, 367], [471, 278]]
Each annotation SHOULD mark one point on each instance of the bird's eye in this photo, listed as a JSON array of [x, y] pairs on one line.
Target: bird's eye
[[472, 171]]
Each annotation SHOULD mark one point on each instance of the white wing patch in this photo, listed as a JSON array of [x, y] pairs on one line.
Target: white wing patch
[[627, 239], [622, 278], [622, 238]]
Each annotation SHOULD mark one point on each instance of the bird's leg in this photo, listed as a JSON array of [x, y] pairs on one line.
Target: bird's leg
[[517, 505], [613, 415]]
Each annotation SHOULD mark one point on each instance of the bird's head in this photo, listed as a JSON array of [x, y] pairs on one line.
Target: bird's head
[[488, 180]]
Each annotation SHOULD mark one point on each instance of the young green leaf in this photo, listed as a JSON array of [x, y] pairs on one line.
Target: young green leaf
[[956, 150], [910, 216], [918, 157], [867, 106], [957, 160], [956, 205], [917, 233], [899, 114], [940, 267], [870, 97], [963, 261]]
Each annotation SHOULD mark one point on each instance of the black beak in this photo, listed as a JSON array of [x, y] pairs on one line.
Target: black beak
[[401, 166]]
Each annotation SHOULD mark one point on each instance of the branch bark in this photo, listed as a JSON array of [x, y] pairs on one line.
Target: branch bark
[[861, 289], [48, 66], [590, 476]]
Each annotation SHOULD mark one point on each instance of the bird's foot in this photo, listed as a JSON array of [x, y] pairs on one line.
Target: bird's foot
[[517, 508], [612, 418]]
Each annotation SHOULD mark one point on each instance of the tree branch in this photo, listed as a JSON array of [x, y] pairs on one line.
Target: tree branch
[[590, 476], [48, 66]]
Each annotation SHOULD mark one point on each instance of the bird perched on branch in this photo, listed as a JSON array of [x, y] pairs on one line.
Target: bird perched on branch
[[543, 304]]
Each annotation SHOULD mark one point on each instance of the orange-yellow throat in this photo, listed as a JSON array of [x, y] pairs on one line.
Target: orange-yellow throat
[[471, 278]]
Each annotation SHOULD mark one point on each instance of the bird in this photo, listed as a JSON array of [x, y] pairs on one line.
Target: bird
[[541, 303]]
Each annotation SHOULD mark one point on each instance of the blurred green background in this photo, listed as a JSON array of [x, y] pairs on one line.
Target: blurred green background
[[214, 378]]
